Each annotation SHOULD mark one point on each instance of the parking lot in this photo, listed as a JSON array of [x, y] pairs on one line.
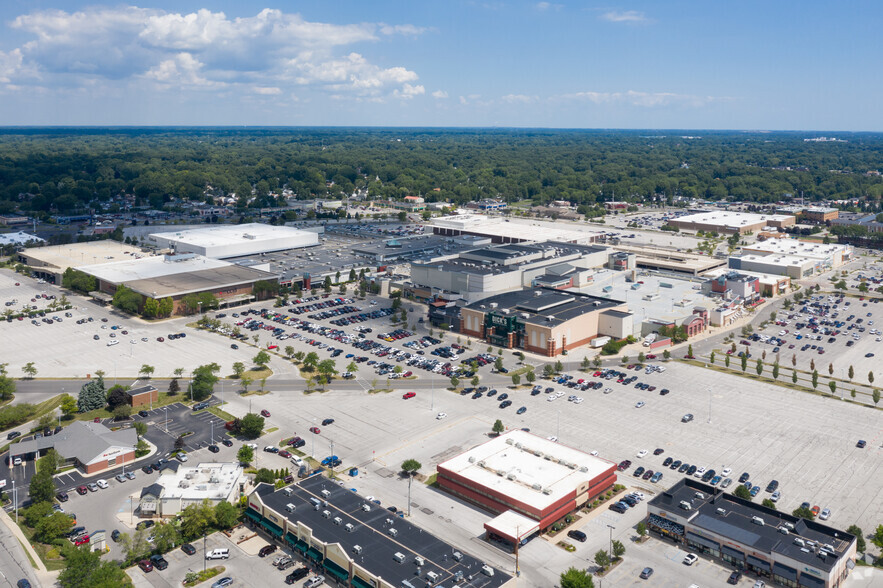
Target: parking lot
[[68, 349]]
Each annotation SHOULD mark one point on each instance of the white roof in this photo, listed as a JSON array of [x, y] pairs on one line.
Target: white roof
[[733, 219], [497, 227], [795, 247], [222, 235], [778, 260], [527, 475], [513, 524], [214, 481], [19, 238], [151, 267]]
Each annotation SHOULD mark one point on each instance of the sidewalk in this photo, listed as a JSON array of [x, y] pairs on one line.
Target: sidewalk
[[44, 576]]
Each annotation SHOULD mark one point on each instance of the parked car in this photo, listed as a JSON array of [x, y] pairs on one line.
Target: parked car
[[188, 549], [145, 565], [266, 550], [646, 573], [578, 535]]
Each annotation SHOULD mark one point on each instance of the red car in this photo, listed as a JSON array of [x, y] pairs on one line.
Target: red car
[[84, 540], [407, 395], [315, 430], [265, 413], [81, 490], [284, 454], [145, 565]]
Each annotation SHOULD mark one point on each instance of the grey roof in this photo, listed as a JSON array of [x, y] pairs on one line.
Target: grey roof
[[545, 306], [140, 390], [152, 490], [81, 440], [732, 518], [371, 533]]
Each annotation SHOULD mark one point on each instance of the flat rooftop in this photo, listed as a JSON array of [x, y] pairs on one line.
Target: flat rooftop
[[214, 481], [77, 254], [199, 281], [671, 259], [736, 523], [498, 227], [779, 260], [527, 468], [371, 533], [544, 306], [798, 248], [151, 267], [225, 235], [731, 219]]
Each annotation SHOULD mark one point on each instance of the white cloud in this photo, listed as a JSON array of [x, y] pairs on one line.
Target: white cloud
[[546, 6], [205, 48], [644, 99], [624, 16], [10, 63], [408, 91], [440, 94], [267, 90], [519, 99]]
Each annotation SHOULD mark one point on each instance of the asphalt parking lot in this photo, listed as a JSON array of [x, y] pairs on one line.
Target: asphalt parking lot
[[68, 349]]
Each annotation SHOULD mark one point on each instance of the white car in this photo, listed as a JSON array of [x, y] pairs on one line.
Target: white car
[[726, 472], [101, 483], [699, 472], [691, 559], [825, 514], [441, 415], [110, 343], [638, 495], [608, 390], [642, 453], [551, 398], [578, 400], [639, 404], [552, 438]]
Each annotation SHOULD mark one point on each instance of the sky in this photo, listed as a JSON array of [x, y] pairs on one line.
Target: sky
[[655, 64]]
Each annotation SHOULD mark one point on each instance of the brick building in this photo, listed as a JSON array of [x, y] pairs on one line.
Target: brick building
[[142, 396], [90, 446]]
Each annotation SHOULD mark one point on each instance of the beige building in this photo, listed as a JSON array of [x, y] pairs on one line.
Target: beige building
[[729, 222], [545, 321]]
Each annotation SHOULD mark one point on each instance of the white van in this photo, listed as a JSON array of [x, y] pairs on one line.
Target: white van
[[221, 553]]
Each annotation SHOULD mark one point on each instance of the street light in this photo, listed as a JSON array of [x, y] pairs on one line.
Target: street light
[[166, 410], [611, 527]]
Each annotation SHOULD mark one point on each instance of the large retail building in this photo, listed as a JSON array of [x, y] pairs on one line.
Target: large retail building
[[531, 482], [788, 550], [223, 241], [725, 221], [545, 321]]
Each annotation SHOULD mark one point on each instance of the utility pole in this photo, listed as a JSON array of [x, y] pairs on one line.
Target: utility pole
[[611, 527], [410, 477], [517, 542]]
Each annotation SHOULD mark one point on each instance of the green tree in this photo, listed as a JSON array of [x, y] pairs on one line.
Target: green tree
[[498, 363], [475, 380], [261, 359], [69, 406], [776, 370], [498, 427], [127, 299], [851, 373], [42, 488], [559, 367], [833, 386], [310, 361], [238, 369], [641, 529], [585, 364], [643, 358], [226, 515], [742, 492], [744, 359], [769, 503], [618, 549], [793, 376], [804, 513], [759, 367], [92, 395], [29, 369], [516, 379], [411, 466], [666, 355], [690, 350], [117, 396], [196, 518], [815, 378], [859, 536], [140, 428], [245, 454], [265, 475], [455, 381], [174, 387], [146, 371], [727, 360], [251, 426], [530, 376], [84, 568], [204, 380], [574, 578], [602, 559], [870, 377], [166, 536], [711, 357], [51, 527], [122, 412], [289, 351], [875, 396]]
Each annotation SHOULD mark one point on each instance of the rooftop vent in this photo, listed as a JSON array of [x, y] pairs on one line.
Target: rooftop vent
[[757, 521], [547, 490], [721, 511]]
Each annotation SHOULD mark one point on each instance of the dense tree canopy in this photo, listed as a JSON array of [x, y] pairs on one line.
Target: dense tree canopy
[[43, 171]]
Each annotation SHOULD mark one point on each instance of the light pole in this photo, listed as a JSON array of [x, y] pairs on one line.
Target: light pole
[[166, 410], [15, 500], [611, 527], [213, 432], [410, 477], [203, 551]]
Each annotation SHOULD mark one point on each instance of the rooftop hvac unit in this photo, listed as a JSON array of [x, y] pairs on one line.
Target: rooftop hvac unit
[[572, 466], [517, 445], [525, 315], [337, 520], [510, 441], [757, 521], [783, 530], [537, 487], [537, 293], [721, 511], [349, 527], [393, 532], [547, 491], [326, 514], [357, 549], [183, 484], [471, 459], [493, 304], [584, 469], [511, 477], [457, 556], [481, 464], [487, 570], [419, 561], [366, 507]]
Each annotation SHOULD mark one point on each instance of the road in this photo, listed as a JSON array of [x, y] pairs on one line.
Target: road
[[14, 564]]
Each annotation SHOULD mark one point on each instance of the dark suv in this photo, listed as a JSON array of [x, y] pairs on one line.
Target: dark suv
[[159, 562], [266, 550], [771, 487], [298, 574], [578, 535]]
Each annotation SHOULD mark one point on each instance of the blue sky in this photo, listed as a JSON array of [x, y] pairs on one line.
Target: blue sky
[[809, 65]]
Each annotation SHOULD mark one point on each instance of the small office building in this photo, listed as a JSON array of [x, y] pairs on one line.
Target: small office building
[[180, 486], [90, 446], [782, 549]]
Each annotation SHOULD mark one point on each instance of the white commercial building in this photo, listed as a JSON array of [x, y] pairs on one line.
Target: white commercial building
[[726, 221], [19, 238], [179, 486], [793, 266], [831, 255], [503, 231], [225, 241]]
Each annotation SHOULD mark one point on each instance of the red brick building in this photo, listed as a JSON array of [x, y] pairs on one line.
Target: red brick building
[[142, 396], [535, 477]]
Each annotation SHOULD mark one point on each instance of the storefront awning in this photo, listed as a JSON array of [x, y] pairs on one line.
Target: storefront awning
[[358, 582], [301, 546], [784, 571], [274, 529], [758, 563], [702, 541], [253, 515], [291, 538], [735, 553], [336, 571], [314, 554], [810, 581]]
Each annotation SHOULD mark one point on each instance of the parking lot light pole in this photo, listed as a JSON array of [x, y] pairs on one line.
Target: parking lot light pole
[[203, 551], [15, 500], [166, 410], [611, 527]]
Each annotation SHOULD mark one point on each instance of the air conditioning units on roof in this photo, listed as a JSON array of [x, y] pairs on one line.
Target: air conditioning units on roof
[[510, 441], [547, 491]]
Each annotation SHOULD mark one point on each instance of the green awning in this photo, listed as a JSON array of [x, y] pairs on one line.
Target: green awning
[[301, 546], [332, 565], [314, 554], [272, 528], [253, 515], [336, 571], [291, 538], [358, 582]]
